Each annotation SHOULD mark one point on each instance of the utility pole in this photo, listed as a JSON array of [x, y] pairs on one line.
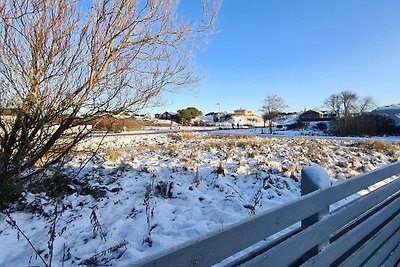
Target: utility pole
[[219, 115]]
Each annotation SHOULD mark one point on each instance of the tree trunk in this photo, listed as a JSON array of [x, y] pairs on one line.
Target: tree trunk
[[270, 126]]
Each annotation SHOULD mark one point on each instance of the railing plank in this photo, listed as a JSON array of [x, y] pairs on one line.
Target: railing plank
[[254, 252], [393, 258], [364, 252], [340, 246], [293, 248], [223, 243], [379, 256]]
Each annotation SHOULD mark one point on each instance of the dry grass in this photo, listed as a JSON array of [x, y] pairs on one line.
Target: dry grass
[[117, 125], [182, 136], [190, 150], [114, 154], [221, 169], [172, 150], [231, 136], [381, 146], [378, 145], [231, 141], [212, 144]]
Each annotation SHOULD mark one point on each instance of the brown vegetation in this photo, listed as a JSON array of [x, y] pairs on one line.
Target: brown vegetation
[[117, 125], [114, 154], [366, 124], [182, 136]]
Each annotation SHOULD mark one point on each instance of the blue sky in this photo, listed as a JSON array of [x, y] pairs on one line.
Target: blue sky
[[301, 50]]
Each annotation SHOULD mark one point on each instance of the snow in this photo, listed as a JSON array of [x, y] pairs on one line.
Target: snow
[[231, 120], [394, 108], [286, 119], [164, 189], [318, 175], [306, 133]]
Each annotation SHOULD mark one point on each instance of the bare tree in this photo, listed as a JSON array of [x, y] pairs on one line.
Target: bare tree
[[349, 102], [273, 107], [366, 104], [334, 104], [63, 63]]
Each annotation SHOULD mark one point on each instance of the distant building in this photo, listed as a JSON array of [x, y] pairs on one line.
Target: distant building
[[204, 121], [217, 116], [214, 114], [311, 115], [136, 115], [243, 112], [392, 112], [168, 116]]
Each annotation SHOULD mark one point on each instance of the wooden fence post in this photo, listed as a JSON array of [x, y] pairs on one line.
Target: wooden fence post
[[313, 178]]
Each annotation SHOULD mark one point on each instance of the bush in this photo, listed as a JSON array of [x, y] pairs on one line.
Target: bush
[[298, 125], [186, 115], [117, 125], [366, 124], [321, 126]]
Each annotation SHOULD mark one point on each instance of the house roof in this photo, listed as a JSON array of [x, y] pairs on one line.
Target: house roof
[[214, 113], [312, 110], [242, 110], [392, 109], [170, 112]]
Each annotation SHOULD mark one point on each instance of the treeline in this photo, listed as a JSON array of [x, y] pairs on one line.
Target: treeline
[[354, 119]]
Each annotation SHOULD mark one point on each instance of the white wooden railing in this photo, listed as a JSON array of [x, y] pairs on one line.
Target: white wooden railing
[[365, 231]]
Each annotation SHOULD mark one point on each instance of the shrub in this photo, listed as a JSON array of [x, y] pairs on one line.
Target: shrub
[[366, 124], [321, 126], [297, 125]]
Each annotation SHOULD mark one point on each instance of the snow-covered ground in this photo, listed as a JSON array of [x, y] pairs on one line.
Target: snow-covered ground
[[304, 133], [231, 120], [151, 192]]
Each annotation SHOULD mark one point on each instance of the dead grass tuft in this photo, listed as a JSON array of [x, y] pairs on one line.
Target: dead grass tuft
[[377, 145], [213, 144], [114, 154], [220, 169], [172, 150], [182, 136]]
